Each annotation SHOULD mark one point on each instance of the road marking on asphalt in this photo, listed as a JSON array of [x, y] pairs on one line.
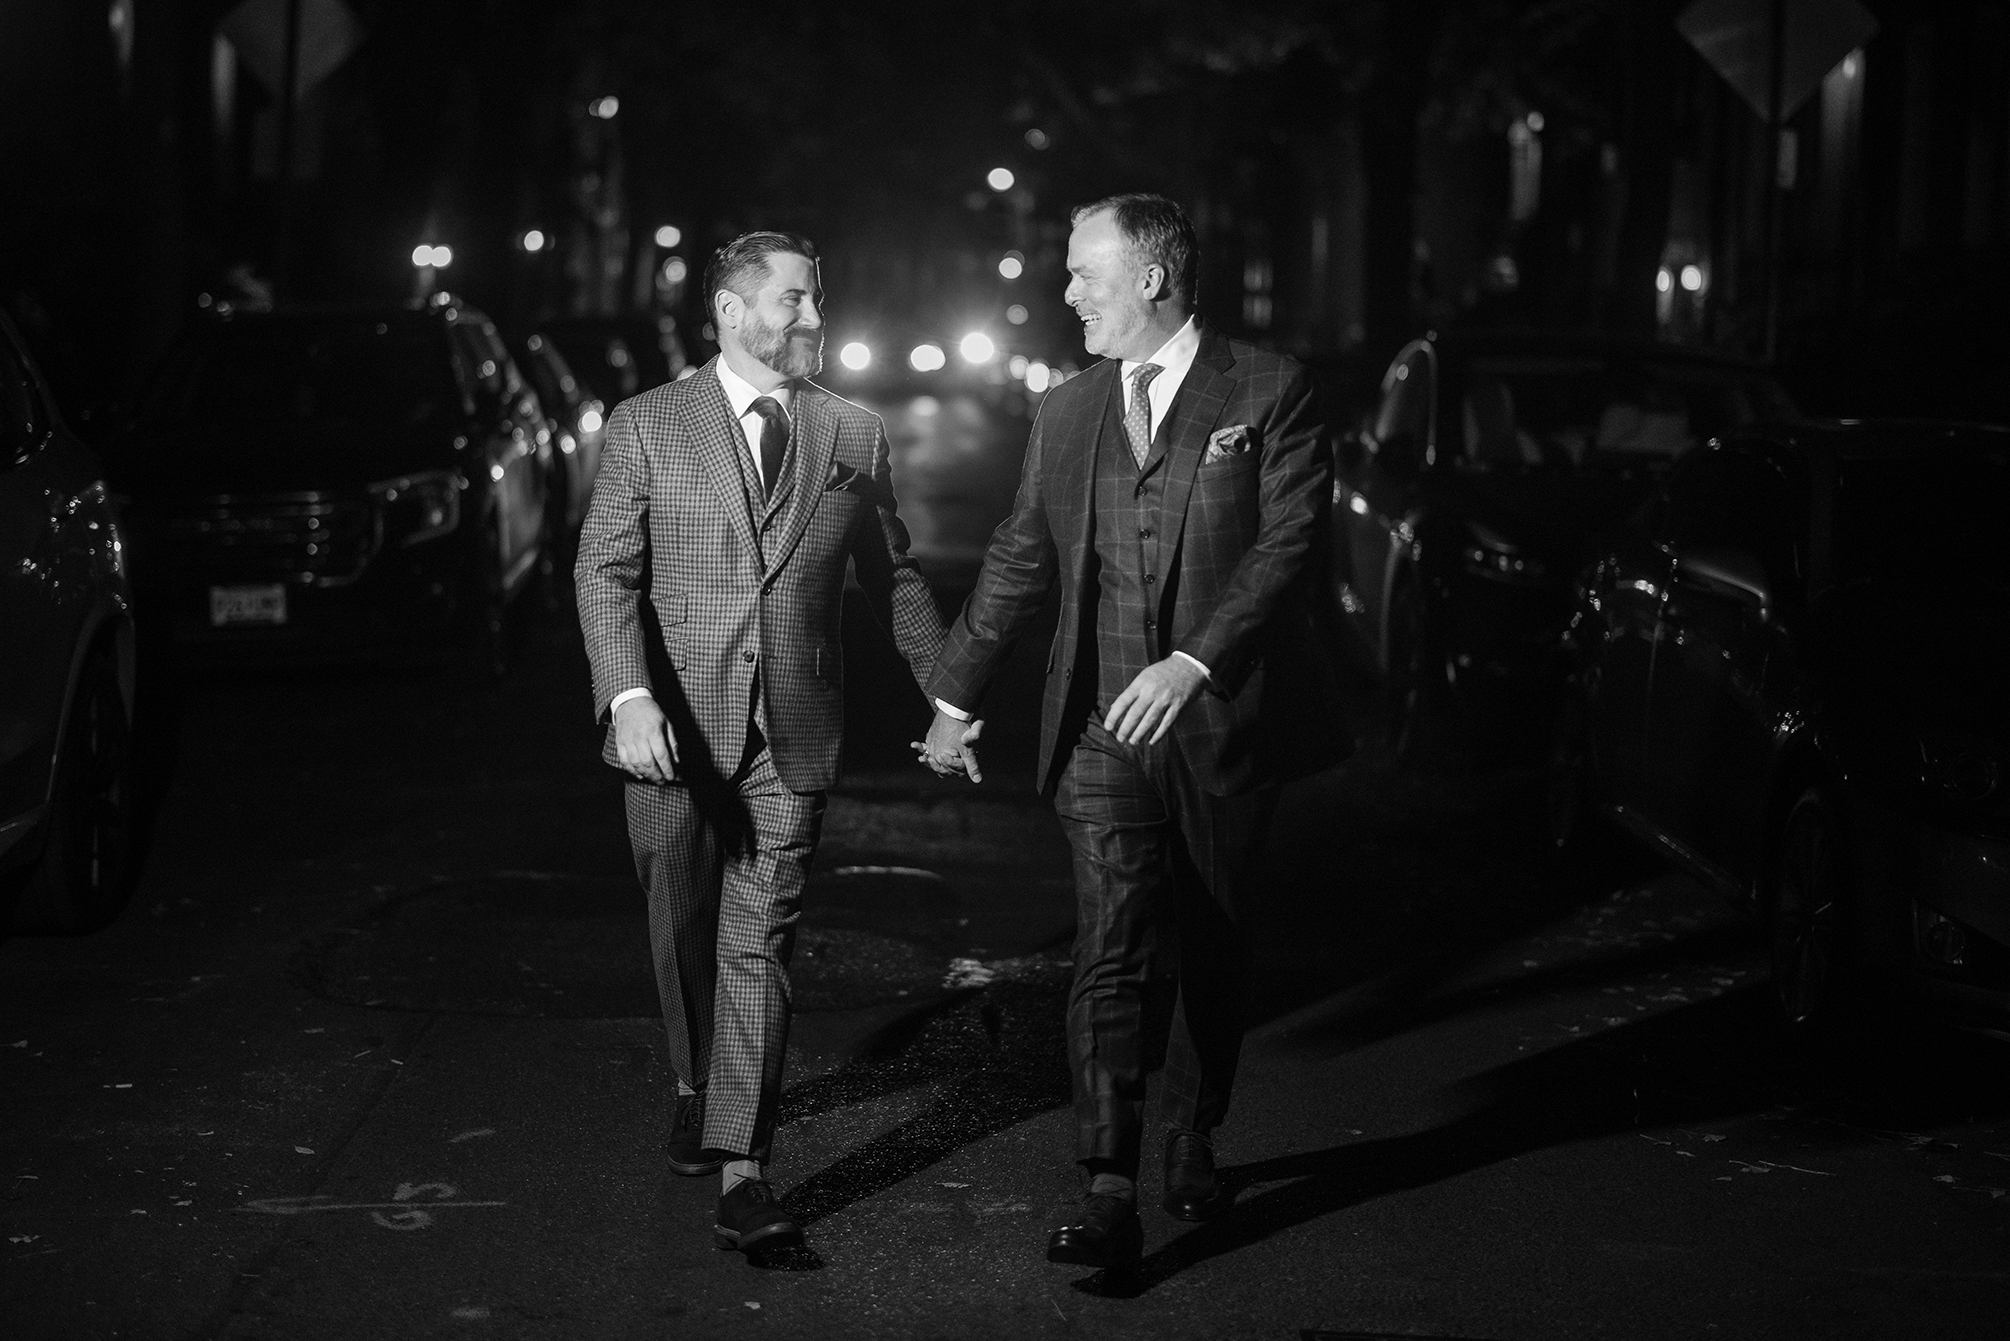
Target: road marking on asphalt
[[404, 1214]]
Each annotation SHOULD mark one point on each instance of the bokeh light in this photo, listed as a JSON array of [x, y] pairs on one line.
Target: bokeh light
[[1001, 179], [927, 358], [855, 355]]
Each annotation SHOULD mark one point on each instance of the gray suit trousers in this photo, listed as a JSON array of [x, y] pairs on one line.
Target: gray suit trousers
[[724, 864]]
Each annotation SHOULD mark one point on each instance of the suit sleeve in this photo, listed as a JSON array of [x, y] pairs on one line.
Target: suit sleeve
[[1293, 492], [613, 558], [1020, 566], [895, 591]]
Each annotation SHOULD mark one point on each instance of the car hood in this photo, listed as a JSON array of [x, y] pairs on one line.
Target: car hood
[[1557, 516], [266, 458]]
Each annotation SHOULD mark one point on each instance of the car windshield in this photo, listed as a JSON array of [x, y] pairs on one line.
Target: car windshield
[[362, 371], [1599, 412], [1931, 525]]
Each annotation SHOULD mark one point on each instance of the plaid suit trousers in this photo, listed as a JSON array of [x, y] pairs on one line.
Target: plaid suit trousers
[[724, 865], [1161, 868]]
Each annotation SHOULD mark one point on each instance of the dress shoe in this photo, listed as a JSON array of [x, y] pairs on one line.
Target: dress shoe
[[686, 1147], [751, 1219], [1105, 1234], [1192, 1190]]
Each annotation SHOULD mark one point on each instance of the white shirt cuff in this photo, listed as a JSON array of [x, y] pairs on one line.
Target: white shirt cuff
[[1198, 663], [624, 696], [948, 711]]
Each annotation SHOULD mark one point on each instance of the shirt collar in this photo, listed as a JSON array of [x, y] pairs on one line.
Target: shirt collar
[[1174, 357], [740, 393]]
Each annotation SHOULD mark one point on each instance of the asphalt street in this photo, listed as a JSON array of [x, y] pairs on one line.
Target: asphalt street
[[372, 1054]]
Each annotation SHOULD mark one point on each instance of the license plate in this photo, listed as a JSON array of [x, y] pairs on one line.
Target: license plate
[[264, 603]]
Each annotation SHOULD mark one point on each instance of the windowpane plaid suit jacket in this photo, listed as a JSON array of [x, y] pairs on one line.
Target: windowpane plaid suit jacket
[[687, 586], [1240, 547]]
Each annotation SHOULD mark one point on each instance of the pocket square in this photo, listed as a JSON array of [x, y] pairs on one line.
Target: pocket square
[[1226, 442], [843, 476]]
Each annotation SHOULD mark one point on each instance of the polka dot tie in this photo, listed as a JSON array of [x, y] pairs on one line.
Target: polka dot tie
[[1138, 415]]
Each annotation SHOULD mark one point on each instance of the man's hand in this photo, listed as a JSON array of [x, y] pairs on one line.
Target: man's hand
[[645, 740], [948, 749], [1148, 706]]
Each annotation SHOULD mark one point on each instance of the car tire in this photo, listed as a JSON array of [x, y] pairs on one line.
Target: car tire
[[84, 873], [1810, 917], [1413, 690]]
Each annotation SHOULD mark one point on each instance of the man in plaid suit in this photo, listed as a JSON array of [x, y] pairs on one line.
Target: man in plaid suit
[[711, 577], [1177, 493]]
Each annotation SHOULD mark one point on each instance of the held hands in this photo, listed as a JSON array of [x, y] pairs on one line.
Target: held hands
[[645, 740], [1148, 706], [948, 749]]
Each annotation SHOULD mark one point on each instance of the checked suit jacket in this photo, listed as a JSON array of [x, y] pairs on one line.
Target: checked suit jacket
[[1239, 550], [689, 585]]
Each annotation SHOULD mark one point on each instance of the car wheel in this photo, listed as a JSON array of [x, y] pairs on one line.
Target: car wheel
[[1814, 980], [81, 880], [1414, 688], [484, 640]]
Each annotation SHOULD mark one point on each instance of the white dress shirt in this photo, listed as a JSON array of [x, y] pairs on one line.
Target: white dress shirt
[[740, 393], [1175, 358]]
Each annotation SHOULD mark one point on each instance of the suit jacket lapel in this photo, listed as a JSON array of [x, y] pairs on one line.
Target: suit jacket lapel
[[720, 450], [815, 447], [1201, 399], [1075, 475]]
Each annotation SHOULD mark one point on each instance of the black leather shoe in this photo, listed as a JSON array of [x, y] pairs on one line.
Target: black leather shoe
[[686, 1147], [1192, 1191], [751, 1219], [1105, 1234]]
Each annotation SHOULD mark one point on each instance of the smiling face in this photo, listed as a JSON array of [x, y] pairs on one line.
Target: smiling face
[[1113, 291], [781, 323]]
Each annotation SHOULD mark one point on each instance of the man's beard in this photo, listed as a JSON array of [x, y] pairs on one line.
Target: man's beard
[[792, 351]]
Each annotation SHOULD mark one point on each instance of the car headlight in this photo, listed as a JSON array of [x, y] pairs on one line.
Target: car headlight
[[416, 508], [1489, 554]]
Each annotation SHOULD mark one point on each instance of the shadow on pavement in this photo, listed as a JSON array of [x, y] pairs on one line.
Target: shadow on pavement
[[1717, 1059]]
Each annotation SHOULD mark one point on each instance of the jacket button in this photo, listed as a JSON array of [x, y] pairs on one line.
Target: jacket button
[[1145, 533], [1150, 578], [746, 656]]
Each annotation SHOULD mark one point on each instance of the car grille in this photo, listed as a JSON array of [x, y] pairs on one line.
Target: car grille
[[323, 538]]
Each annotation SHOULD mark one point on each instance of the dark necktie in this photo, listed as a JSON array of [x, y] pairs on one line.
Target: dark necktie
[[1138, 415], [774, 441]]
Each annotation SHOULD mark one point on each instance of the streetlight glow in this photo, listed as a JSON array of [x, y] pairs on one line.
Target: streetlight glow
[[927, 358], [1010, 266], [1001, 179], [669, 235], [855, 356], [977, 348], [533, 240]]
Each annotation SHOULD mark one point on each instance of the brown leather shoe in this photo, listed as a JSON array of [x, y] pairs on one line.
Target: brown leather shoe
[[751, 1219], [686, 1148], [1106, 1233], [1192, 1190]]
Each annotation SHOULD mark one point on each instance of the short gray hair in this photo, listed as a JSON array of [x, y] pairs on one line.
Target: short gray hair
[[1158, 230], [746, 258]]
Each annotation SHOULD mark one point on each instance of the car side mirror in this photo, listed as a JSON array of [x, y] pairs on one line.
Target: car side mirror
[[1733, 571]]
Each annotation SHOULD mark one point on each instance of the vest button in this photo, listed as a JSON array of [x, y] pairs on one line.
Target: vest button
[[1150, 578], [746, 656], [1145, 533]]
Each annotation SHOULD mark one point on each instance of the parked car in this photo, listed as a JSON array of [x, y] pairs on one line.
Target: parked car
[[1482, 481], [618, 357], [66, 669], [578, 422], [341, 482], [1790, 681]]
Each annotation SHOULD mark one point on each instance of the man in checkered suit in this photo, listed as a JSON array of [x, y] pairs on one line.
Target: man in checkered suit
[[711, 578], [1177, 493]]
